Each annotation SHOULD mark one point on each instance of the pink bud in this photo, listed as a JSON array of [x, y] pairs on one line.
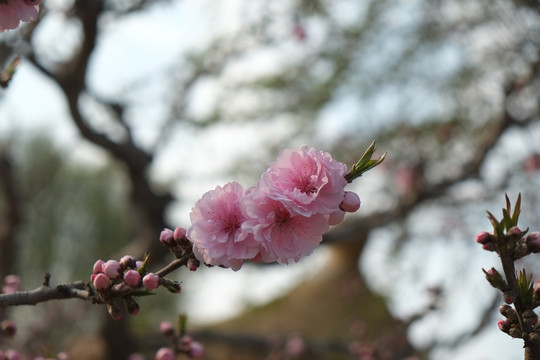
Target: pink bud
[[504, 325], [186, 341], [295, 345], [132, 278], [166, 328], [196, 350], [165, 354], [98, 266], [193, 264], [151, 281], [350, 203], [62, 356], [139, 264], [128, 262], [484, 238], [8, 327], [11, 284], [336, 217], [12, 280], [166, 237], [13, 355], [112, 269], [101, 282], [509, 297], [515, 231], [179, 233], [533, 242]]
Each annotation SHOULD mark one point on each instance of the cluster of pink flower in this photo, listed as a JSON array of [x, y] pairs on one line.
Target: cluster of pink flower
[[12, 12], [281, 219]]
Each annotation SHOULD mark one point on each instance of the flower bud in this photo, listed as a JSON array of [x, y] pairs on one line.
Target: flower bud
[[62, 356], [350, 203], [179, 233], [132, 278], [11, 284], [98, 266], [509, 297], [515, 233], [151, 281], [533, 242], [171, 285], [515, 333], [167, 237], [495, 279], [8, 327], [112, 269], [504, 325], [115, 312], [101, 282], [128, 262], [196, 350], [165, 354], [132, 307], [336, 217], [166, 328], [508, 312], [193, 264], [485, 238], [530, 317]]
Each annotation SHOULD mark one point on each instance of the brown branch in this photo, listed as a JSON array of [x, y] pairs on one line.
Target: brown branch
[[80, 290]]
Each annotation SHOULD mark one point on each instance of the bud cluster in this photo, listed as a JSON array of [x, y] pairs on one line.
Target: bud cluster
[[124, 279], [517, 288], [177, 242]]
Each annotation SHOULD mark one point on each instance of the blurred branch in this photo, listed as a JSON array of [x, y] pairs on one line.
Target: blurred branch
[[12, 216]]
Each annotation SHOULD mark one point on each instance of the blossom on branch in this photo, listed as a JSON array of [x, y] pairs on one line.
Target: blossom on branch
[[284, 236], [216, 230], [281, 219], [306, 181], [12, 12]]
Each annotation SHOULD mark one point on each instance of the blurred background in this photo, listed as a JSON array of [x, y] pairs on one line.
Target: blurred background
[[123, 113]]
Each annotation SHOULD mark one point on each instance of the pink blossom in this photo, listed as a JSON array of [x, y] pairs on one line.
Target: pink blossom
[[132, 278], [14, 11], [216, 231], [306, 181], [283, 236], [150, 281], [165, 354]]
